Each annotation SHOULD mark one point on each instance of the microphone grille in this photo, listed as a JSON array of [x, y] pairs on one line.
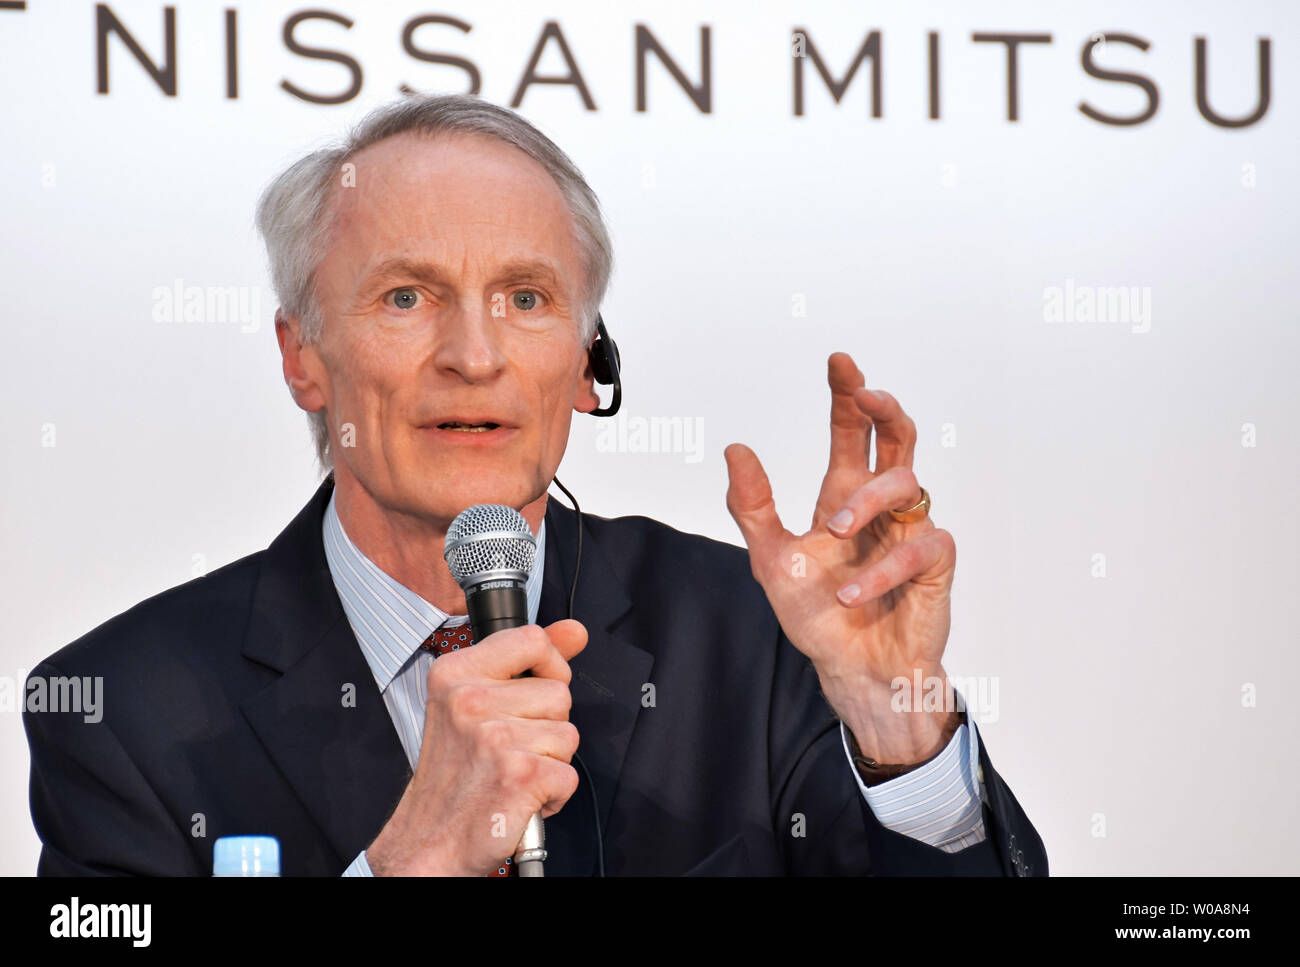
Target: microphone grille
[[489, 538]]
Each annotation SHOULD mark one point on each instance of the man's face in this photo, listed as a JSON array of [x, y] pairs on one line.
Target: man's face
[[450, 295]]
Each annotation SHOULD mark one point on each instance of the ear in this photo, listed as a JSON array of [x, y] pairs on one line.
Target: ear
[[304, 373], [585, 398]]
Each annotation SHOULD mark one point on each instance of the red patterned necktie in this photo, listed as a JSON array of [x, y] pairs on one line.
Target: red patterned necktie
[[455, 638]]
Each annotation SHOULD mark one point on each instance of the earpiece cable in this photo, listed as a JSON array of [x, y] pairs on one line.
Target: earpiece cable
[[573, 588]]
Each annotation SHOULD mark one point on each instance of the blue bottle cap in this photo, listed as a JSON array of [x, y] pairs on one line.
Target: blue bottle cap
[[246, 856]]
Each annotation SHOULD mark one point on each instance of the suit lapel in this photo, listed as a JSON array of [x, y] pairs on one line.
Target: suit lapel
[[606, 687], [344, 761]]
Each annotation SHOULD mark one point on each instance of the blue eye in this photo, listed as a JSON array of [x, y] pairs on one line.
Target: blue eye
[[405, 298], [525, 299]]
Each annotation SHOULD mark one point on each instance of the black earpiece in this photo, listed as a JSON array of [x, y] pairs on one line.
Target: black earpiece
[[603, 355]]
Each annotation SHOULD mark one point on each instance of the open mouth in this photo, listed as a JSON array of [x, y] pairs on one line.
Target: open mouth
[[469, 427]]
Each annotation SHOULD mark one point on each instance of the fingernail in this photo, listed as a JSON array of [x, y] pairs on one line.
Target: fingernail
[[878, 395], [841, 521], [848, 594]]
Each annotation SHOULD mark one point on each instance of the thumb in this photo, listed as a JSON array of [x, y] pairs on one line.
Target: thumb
[[749, 498], [568, 635]]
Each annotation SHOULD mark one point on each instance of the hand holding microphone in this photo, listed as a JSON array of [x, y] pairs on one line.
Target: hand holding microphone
[[497, 748]]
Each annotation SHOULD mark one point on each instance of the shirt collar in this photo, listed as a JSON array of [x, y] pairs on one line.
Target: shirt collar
[[390, 620]]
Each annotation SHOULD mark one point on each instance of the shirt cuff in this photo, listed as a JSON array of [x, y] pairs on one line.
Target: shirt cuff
[[939, 803], [359, 867]]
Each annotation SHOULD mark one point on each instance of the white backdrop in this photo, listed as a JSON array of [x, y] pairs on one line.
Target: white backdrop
[[1121, 493]]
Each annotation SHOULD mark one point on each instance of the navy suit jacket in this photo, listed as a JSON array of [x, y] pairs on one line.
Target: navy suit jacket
[[223, 713]]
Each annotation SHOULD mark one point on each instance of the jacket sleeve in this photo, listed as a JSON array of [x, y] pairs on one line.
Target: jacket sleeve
[[824, 826], [95, 813]]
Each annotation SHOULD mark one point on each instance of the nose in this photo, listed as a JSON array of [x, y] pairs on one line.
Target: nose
[[468, 344]]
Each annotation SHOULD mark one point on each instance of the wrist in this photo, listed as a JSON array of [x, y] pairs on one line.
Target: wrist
[[395, 853], [874, 772], [377, 855], [905, 721]]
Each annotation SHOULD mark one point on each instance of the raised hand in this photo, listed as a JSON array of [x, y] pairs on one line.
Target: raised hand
[[864, 596]]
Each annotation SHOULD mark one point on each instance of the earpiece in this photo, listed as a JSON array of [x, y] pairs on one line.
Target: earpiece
[[603, 354]]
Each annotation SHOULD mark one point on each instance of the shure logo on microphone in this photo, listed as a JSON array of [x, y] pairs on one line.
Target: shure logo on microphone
[[108, 921]]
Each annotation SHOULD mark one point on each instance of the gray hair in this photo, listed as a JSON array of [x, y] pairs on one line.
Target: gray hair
[[293, 213]]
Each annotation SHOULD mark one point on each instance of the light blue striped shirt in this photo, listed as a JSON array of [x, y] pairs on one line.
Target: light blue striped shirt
[[938, 803]]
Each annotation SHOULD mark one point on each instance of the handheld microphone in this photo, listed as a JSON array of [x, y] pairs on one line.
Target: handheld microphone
[[490, 551]]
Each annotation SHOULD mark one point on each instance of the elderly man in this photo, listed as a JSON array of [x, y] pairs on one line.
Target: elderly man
[[439, 275]]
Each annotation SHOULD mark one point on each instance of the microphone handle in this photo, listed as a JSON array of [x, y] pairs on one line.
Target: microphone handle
[[495, 606]]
